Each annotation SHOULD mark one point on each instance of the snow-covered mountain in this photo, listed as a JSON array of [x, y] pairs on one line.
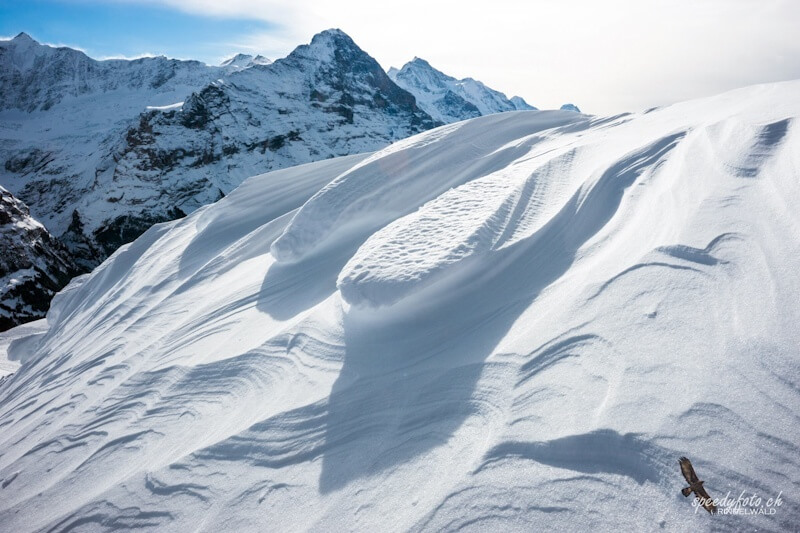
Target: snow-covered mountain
[[101, 150], [570, 107], [33, 266], [36, 77], [61, 116], [242, 61], [448, 99], [520, 104], [517, 322]]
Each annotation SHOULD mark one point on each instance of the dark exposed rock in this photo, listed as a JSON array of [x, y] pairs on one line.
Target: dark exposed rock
[[33, 267], [127, 228]]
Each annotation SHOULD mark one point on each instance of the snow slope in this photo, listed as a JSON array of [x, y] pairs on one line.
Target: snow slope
[[513, 323], [448, 99]]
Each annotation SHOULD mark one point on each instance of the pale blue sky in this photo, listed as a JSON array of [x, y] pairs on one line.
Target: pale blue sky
[[104, 29]]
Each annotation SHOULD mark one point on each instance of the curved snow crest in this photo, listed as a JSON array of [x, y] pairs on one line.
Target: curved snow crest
[[397, 180], [464, 223], [471, 223]]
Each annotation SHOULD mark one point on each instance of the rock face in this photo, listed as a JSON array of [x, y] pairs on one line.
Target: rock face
[[33, 265], [448, 99], [144, 141], [570, 107]]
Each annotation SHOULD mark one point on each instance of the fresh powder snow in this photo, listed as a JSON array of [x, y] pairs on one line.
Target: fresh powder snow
[[514, 323]]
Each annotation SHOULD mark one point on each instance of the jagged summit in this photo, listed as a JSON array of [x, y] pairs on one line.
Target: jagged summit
[[333, 33], [570, 107], [324, 46], [24, 49], [449, 99], [333, 37], [422, 62], [20, 53]]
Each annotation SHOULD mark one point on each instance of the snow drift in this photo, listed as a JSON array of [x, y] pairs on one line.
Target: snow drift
[[517, 322]]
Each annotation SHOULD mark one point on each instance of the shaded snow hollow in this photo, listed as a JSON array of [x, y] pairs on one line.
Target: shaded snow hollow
[[513, 323]]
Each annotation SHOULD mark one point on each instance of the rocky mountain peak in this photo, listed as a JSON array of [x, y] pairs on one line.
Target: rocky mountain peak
[[342, 75], [335, 36], [418, 61], [326, 47]]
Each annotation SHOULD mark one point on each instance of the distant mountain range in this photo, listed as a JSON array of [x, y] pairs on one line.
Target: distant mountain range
[[448, 99], [102, 150]]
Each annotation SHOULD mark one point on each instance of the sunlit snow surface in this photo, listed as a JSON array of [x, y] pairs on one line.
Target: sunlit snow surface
[[515, 323]]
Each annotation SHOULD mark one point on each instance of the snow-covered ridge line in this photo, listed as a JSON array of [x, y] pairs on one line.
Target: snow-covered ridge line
[[242, 61], [405, 176], [38, 77]]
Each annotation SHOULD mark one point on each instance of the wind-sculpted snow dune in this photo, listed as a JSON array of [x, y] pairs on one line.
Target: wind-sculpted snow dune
[[513, 323]]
